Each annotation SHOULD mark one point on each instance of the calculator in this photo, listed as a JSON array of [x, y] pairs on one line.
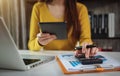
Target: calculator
[[92, 60]]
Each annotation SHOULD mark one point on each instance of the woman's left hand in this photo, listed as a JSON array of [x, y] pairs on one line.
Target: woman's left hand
[[87, 51]]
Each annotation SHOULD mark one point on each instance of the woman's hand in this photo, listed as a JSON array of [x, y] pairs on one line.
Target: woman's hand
[[45, 38], [87, 51]]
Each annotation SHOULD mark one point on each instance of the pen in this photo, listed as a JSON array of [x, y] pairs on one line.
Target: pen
[[88, 46]]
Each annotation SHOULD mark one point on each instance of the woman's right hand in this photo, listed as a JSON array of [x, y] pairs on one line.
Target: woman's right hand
[[86, 51], [45, 38]]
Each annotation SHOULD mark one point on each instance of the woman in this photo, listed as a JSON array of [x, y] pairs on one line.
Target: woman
[[78, 26]]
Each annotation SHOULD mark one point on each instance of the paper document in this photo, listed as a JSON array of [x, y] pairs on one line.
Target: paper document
[[71, 63]]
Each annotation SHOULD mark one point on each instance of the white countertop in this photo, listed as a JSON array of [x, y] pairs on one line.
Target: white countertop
[[53, 69]]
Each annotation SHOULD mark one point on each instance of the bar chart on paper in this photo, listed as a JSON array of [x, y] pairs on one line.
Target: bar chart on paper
[[71, 63], [74, 63]]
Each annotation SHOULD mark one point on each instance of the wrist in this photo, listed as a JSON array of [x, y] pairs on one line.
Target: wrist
[[40, 44]]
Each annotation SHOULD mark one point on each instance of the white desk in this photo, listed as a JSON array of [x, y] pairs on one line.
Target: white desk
[[53, 69]]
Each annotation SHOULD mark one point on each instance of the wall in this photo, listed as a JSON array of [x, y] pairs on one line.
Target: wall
[[13, 13]]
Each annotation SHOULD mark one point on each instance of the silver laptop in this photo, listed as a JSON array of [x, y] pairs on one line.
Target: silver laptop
[[9, 53]]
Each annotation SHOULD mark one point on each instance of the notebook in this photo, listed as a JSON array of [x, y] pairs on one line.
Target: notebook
[[10, 58], [57, 28]]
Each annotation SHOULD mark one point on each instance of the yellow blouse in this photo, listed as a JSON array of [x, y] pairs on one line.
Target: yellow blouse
[[40, 13]]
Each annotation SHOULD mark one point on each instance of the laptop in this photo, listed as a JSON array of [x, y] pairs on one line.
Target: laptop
[[10, 57], [57, 28]]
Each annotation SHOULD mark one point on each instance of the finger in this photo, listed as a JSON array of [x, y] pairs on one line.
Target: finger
[[84, 47], [96, 50], [39, 34], [93, 50], [89, 50], [87, 53], [54, 36], [47, 39], [77, 53], [44, 35], [51, 38]]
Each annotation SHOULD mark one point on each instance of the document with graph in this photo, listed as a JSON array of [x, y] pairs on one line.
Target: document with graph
[[73, 64]]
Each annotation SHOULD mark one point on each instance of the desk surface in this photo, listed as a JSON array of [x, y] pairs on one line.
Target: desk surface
[[53, 69]]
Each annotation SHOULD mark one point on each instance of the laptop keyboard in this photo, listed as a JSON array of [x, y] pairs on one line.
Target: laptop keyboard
[[27, 56], [28, 59]]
